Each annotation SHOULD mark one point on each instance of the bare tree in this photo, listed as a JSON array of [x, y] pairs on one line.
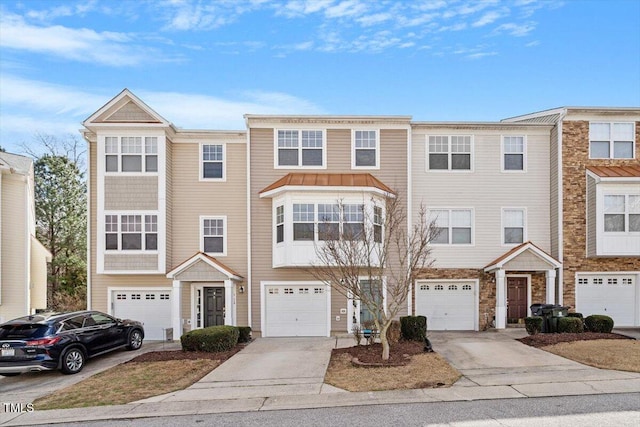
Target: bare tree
[[70, 147], [376, 263]]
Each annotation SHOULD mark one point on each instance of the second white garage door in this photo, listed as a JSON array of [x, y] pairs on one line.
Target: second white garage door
[[296, 311], [448, 306], [152, 308], [613, 295]]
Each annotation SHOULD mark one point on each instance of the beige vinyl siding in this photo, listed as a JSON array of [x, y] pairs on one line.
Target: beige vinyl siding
[[553, 192], [186, 308], [130, 262], [527, 261], [192, 198], [393, 172], [130, 193], [591, 217], [486, 190], [14, 238]]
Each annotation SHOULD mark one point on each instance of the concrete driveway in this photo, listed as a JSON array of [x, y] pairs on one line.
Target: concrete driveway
[[495, 358], [266, 367], [25, 388]]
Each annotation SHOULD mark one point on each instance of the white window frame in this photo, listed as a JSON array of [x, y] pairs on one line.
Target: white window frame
[[354, 149], [224, 234], [144, 153], [503, 153], [450, 227], [300, 149], [223, 161], [503, 225], [143, 232], [612, 141], [449, 154], [626, 213]]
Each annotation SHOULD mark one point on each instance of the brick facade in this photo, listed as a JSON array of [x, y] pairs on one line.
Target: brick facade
[[575, 159]]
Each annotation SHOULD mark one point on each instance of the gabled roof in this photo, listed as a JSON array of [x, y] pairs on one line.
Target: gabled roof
[[15, 163], [500, 262], [617, 173], [324, 181], [209, 260], [125, 108]]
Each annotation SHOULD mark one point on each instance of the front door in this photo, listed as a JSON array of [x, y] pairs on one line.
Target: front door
[[516, 299], [213, 306]]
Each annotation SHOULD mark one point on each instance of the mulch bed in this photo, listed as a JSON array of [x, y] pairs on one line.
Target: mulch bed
[[161, 356], [399, 353], [543, 340]]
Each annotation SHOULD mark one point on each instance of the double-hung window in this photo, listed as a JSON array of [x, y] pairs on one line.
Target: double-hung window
[[131, 232], [366, 152], [622, 213], [328, 221], [300, 148], [513, 226], [214, 235], [212, 161], [513, 153], [450, 152], [280, 224], [131, 154], [377, 224], [353, 222], [611, 140], [304, 221], [453, 226]]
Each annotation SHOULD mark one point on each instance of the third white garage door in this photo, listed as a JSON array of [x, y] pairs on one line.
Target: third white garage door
[[296, 311], [448, 306], [614, 295]]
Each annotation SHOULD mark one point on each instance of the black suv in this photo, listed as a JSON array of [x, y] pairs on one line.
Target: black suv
[[64, 341]]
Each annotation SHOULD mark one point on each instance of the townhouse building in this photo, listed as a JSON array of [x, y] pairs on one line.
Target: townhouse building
[[193, 228], [23, 259]]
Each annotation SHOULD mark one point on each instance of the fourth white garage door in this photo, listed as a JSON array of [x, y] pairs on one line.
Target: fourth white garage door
[[447, 305], [152, 308], [615, 295], [296, 311]]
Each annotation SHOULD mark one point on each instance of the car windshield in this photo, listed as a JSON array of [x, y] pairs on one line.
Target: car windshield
[[24, 331]]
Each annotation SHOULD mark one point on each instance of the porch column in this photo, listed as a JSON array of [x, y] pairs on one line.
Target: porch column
[[501, 299], [229, 303], [176, 315], [551, 286]]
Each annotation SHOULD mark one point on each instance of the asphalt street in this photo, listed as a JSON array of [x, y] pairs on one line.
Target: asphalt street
[[566, 411]]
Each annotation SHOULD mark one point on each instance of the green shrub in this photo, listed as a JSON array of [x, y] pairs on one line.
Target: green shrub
[[599, 323], [572, 325], [533, 325], [413, 328], [579, 316], [245, 333], [212, 339], [394, 332]]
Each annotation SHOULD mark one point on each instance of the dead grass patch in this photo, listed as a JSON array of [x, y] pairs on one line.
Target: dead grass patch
[[422, 370], [129, 382], [621, 355]]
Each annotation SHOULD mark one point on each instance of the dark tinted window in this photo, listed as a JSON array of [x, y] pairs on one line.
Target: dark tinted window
[[24, 331], [73, 323]]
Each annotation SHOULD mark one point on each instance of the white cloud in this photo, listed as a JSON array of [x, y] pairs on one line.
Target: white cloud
[[517, 30], [487, 18], [376, 18], [78, 44]]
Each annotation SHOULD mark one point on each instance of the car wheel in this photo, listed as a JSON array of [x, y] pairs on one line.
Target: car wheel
[[72, 361], [135, 340], [10, 374]]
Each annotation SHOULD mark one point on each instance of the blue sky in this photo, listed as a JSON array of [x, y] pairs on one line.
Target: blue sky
[[203, 64]]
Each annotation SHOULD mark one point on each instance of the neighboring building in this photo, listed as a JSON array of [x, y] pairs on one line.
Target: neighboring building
[[192, 228], [23, 259], [595, 201]]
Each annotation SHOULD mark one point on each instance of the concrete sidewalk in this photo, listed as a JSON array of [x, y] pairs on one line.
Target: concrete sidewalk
[[290, 372]]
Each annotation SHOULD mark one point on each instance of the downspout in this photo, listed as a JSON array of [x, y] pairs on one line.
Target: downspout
[[560, 294], [88, 181], [249, 266], [409, 210]]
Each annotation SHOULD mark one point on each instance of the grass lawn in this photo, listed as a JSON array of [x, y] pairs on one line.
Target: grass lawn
[[621, 355], [411, 368]]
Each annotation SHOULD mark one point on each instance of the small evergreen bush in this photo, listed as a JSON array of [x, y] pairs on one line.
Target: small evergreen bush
[[533, 325], [579, 316], [599, 323], [212, 339], [572, 325], [244, 333], [413, 328]]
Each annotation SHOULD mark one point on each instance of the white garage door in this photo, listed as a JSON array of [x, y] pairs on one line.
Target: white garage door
[[613, 295], [448, 306], [152, 308], [296, 311]]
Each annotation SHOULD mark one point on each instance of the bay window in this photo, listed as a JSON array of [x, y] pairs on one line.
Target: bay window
[[622, 213]]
